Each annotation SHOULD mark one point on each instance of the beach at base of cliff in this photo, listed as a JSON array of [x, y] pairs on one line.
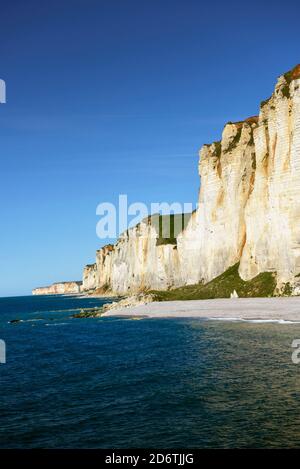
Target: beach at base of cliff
[[285, 309]]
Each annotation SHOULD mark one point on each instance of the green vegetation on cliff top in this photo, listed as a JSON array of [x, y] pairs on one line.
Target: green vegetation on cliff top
[[168, 227], [292, 74], [222, 286]]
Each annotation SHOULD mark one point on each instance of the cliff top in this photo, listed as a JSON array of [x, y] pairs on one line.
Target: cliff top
[[239, 124], [289, 76], [292, 74], [107, 247], [166, 226], [79, 282], [249, 120]]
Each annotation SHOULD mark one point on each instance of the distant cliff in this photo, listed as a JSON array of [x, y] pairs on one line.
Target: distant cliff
[[60, 288], [249, 211]]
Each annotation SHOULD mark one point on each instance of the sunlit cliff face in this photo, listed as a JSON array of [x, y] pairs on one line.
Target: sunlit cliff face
[[249, 210]]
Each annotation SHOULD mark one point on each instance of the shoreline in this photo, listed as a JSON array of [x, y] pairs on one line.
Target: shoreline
[[232, 309]]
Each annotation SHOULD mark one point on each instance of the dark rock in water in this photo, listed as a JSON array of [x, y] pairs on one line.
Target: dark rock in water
[[88, 313]]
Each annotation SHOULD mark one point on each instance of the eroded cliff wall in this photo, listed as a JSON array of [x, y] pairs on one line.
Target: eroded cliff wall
[[249, 210], [215, 236], [144, 257], [90, 277], [272, 213]]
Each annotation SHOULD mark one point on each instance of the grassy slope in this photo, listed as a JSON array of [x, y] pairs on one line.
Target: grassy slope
[[221, 287]]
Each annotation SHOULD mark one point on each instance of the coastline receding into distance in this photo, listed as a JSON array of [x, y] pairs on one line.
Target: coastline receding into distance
[[246, 226], [248, 212]]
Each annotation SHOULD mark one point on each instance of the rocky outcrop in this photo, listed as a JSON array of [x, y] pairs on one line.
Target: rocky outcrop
[[272, 214], [249, 207], [129, 302], [249, 210], [90, 277], [215, 236], [60, 288]]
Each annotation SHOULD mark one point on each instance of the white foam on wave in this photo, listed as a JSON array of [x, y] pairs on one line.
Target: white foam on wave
[[57, 324], [33, 320], [255, 321], [277, 321]]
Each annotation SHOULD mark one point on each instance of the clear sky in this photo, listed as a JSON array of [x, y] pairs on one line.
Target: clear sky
[[116, 97]]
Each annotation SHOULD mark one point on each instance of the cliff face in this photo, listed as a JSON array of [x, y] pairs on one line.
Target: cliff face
[[272, 213], [249, 210], [215, 237], [90, 277], [60, 288], [144, 257]]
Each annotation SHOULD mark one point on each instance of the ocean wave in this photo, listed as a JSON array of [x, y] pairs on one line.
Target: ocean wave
[[57, 324], [66, 310], [255, 321], [33, 320]]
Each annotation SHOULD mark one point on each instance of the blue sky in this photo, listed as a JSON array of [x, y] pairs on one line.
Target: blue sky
[[116, 97]]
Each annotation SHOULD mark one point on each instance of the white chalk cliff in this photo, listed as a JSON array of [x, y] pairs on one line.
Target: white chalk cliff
[[248, 212], [140, 260], [59, 288]]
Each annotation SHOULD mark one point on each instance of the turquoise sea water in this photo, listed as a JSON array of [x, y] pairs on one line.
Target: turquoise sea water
[[113, 383]]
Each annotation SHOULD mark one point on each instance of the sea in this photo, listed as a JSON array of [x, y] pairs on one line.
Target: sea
[[149, 383]]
